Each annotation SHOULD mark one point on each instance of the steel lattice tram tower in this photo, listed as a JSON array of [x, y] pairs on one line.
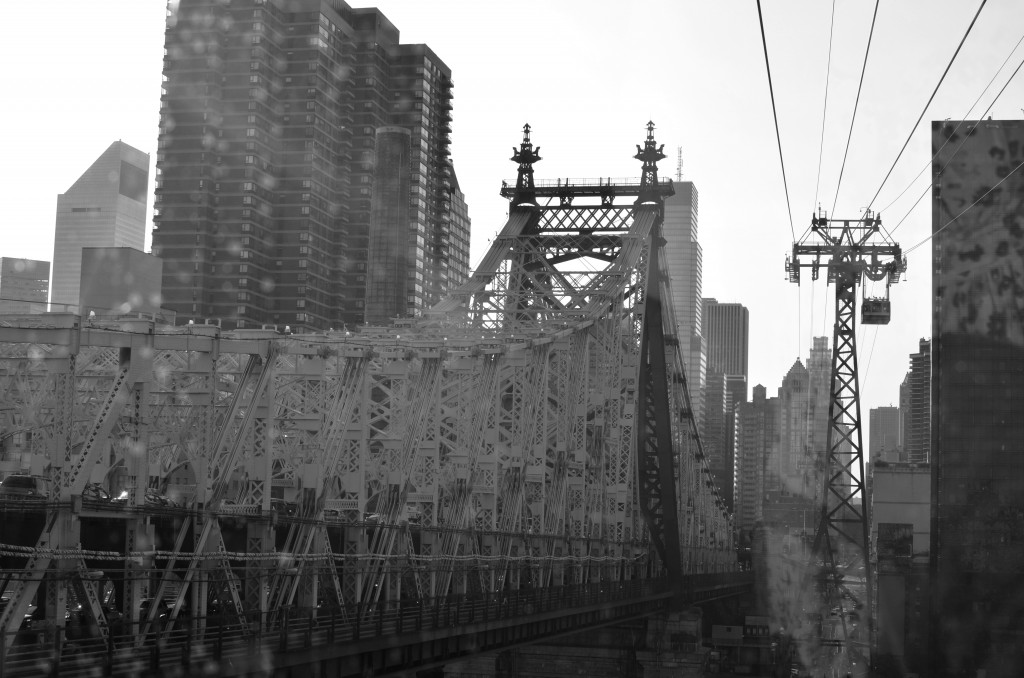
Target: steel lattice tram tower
[[850, 250]]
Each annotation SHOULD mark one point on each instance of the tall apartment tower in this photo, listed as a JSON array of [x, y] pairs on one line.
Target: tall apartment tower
[[884, 434], [105, 207], [24, 285], [915, 406], [977, 446], [685, 265], [289, 128], [756, 439]]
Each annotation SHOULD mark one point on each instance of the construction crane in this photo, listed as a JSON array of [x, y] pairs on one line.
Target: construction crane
[[850, 250]]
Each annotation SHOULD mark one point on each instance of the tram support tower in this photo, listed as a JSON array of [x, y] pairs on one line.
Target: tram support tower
[[850, 249]]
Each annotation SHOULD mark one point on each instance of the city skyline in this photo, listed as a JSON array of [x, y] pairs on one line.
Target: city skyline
[[707, 93]]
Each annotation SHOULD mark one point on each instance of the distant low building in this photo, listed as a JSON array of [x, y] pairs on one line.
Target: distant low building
[[119, 281], [24, 285]]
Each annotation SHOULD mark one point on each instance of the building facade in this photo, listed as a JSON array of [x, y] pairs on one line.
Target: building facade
[[685, 266], [120, 281], [756, 442], [977, 443], [915, 406], [268, 165], [105, 207], [24, 285], [884, 434], [726, 328]]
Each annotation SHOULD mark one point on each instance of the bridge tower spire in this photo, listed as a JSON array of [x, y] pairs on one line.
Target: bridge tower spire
[[650, 154], [526, 156]]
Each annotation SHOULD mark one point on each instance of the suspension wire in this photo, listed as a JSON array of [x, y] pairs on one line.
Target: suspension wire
[[962, 141], [925, 109], [824, 108], [959, 124], [775, 114], [863, 69], [968, 208]]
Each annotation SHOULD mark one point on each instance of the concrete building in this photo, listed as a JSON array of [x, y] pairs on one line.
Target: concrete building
[[884, 434], [901, 536], [24, 285], [269, 166], [756, 441], [977, 442], [915, 406], [119, 281], [685, 266], [726, 329], [105, 207]]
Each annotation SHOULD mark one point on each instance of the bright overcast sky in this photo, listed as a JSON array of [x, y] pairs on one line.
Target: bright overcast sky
[[588, 75]]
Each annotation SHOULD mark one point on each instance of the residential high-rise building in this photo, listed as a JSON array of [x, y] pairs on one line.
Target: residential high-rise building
[[756, 439], [288, 129], [915, 406], [105, 207], [24, 285], [685, 266], [884, 434], [977, 442]]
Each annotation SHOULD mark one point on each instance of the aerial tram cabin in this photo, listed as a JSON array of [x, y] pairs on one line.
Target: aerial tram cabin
[[875, 310]]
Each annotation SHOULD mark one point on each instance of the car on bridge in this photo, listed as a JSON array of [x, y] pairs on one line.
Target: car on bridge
[[24, 487]]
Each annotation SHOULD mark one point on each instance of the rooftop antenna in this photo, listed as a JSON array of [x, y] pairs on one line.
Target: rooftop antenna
[[679, 163]]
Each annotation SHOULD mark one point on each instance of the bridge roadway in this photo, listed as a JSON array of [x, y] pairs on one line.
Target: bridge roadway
[[393, 637]]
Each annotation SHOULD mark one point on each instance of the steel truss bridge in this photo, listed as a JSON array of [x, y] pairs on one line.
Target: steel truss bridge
[[525, 451]]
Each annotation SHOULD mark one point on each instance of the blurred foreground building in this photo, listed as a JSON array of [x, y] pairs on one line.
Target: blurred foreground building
[[280, 162], [119, 281], [977, 446]]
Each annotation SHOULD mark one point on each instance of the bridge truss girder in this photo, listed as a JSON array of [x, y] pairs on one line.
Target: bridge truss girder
[[491, 445]]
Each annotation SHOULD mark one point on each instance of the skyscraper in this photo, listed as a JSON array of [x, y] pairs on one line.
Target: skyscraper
[[105, 207], [685, 265], [915, 406], [24, 285], [726, 328], [884, 434], [279, 127], [756, 438], [977, 446]]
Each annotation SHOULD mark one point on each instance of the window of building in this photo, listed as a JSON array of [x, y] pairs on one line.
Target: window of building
[[305, 209], [301, 303], [241, 310], [303, 249], [243, 268], [246, 227], [303, 263]]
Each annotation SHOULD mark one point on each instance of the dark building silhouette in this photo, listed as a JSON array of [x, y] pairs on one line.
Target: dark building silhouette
[[977, 446], [267, 163]]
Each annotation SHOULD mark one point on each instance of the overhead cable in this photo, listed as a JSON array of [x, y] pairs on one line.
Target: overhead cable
[[775, 114], [925, 109], [863, 69]]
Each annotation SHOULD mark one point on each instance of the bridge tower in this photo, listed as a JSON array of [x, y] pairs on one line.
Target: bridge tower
[[850, 249]]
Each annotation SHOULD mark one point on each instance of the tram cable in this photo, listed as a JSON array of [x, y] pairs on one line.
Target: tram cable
[[959, 124], [775, 114], [860, 86], [925, 109]]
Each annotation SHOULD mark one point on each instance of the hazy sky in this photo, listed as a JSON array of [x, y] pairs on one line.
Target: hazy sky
[[588, 75]]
